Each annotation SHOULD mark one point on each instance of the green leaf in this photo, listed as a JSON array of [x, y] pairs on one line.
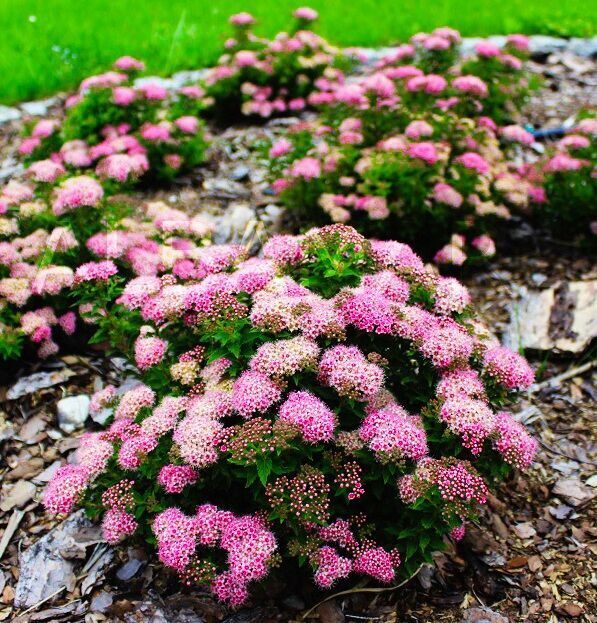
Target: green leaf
[[264, 468]]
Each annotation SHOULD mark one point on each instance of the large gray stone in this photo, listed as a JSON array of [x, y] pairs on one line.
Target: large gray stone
[[48, 565]]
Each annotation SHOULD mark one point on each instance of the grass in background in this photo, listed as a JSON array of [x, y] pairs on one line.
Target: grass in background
[[50, 45]]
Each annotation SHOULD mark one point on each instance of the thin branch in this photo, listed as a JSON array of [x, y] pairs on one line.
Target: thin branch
[[556, 380], [362, 590]]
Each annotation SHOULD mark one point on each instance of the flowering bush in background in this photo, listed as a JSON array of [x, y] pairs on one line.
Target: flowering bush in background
[[125, 132], [261, 77], [333, 403], [431, 178], [567, 207], [57, 231]]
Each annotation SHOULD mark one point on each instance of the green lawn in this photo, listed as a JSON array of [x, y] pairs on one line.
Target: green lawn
[[48, 45]]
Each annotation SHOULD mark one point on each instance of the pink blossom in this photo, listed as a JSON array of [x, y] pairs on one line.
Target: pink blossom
[[149, 351], [45, 171], [241, 19], [484, 244], [517, 134], [473, 161], [377, 563], [392, 433], [95, 271], [117, 525], [307, 168], [513, 442], [508, 368], [520, 42], [315, 420], [330, 567], [44, 128], [306, 14], [77, 192], [174, 478], [423, 151], [487, 49], [254, 392], [187, 124], [153, 91], [444, 193], [123, 96], [431, 84], [128, 63], [471, 84], [416, 129]]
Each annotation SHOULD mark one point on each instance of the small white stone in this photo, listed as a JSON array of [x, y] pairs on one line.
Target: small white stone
[[72, 412], [8, 113]]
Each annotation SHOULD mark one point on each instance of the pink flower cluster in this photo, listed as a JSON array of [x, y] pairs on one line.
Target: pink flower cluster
[[248, 545]]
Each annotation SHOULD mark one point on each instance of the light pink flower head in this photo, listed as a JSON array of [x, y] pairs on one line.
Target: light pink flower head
[[241, 19], [129, 63], [306, 14], [77, 192], [487, 49]]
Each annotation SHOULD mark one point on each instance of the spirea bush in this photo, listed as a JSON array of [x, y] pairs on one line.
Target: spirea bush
[[127, 131], [332, 407], [442, 181], [413, 146], [262, 78], [568, 204], [57, 231]]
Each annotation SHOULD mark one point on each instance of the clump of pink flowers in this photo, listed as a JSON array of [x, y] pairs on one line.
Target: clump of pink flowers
[[270, 383]]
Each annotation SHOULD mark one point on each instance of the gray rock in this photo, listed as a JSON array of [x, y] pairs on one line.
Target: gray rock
[[483, 615], [240, 173], [273, 215], [129, 569], [233, 223], [180, 78], [586, 48], [43, 566], [72, 412], [39, 380], [543, 45], [38, 108], [223, 188], [101, 602], [167, 83], [8, 113], [10, 167], [18, 496]]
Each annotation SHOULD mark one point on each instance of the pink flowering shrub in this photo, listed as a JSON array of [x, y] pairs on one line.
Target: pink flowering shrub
[[330, 406], [126, 131], [263, 78], [567, 201], [431, 178], [61, 233], [502, 70], [408, 146]]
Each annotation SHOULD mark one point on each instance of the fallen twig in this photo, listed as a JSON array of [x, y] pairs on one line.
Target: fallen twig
[[556, 380], [566, 456], [11, 528], [361, 590]]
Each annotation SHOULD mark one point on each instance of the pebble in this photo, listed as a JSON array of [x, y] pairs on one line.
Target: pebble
[[72, 412], [8, 113], [101, 602]]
